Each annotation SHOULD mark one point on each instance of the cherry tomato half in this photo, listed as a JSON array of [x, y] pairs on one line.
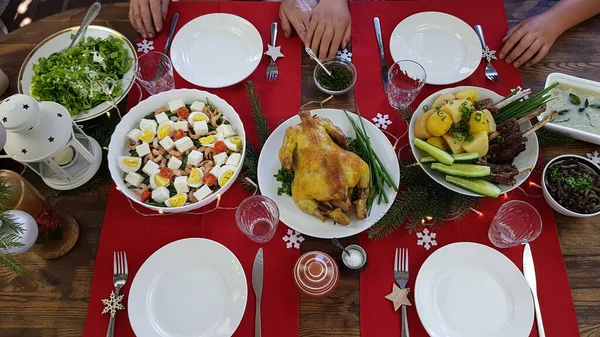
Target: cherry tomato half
[[209, 179], [145, 195], [183, 112], [166, 172], [220, 146], [178, 134]]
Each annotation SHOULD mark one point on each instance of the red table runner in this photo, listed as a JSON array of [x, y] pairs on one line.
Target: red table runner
[[377, 317], [140, 236]]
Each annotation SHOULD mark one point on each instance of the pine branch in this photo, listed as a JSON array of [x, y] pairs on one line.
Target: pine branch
[[550, 138], [12, 264], [9, 240], [262, 128], [102, 132], [250, 167]]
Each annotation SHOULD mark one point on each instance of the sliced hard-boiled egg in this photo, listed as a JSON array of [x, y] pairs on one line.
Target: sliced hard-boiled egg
[[148, 125], [233, 143], [207, 140], [156, 180], [177, 200], [225, 174], [165, 130], [147, 137], [198, 116], [195, 177], [129, 164]]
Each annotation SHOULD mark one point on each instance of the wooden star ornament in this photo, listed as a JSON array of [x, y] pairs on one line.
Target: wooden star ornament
[[398, 296]]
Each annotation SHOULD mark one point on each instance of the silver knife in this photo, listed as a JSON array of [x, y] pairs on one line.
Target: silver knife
[[257, 284], [384, 66], [529, 272], [171, 32]]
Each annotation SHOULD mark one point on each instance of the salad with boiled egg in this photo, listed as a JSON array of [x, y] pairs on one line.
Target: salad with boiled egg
[[180, 154]]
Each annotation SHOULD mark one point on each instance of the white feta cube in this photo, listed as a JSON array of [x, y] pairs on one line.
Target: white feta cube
[[195, 157], [167, 143], [234, 159], [148, 125], [160, 194], [175, 104], [134, 135], [161, 118], [150, 167], [197, 106], [220, 159], [184, 144], [226, 130], [183, 125], [134, 178], [202, 193], [142, 149], [174, 163], [201, 128], [215, 170], [181, 185]]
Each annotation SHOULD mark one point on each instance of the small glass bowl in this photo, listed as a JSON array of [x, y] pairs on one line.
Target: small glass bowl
[[335, 62], [316, 274]]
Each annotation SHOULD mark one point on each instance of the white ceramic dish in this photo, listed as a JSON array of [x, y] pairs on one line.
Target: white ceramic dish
[[467, 289], [290, 214], [132, 119], [443, 44], [216, 50], [188, 288], [526, 159], [550, 200], [578, 82], [61, 40]]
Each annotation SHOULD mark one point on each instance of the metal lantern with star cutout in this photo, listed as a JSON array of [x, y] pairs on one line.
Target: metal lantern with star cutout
[[43, 137]]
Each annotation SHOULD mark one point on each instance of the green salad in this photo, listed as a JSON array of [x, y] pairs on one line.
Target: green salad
[[83, 76]]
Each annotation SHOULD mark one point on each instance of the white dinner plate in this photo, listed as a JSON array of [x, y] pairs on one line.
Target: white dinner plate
[[61, 40], [467, 289], [188, 288], [216, 50], [444, 45], [290, 214]]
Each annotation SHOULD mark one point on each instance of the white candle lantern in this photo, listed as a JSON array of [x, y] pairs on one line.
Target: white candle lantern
[[43, 137]]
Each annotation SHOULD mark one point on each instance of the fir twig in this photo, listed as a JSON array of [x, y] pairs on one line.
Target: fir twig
[[262, 128], [550, 138], [12, 264], [9, 234]]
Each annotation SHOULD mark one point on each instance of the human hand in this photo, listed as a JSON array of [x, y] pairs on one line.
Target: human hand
[[529, 41], [296, 14], [329, 28], [147, 16]]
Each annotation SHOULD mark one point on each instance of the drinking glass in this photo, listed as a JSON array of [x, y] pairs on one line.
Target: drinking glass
[[258, 217], [405, 80], [155, 72], [516, 223]]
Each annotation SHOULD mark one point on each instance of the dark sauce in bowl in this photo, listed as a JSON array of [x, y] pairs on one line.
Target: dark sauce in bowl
[[575, 185]]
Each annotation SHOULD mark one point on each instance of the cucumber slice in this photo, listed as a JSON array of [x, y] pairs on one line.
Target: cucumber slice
[[482, 187], [463, 170], [460, 158], [439, 155]]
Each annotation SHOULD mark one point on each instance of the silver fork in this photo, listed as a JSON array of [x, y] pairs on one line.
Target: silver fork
[[401, 277], [120, 272], [272, 70], [490, 71]]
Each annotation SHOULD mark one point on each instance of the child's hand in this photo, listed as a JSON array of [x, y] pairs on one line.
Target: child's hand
[[529, 41], [329, 28]]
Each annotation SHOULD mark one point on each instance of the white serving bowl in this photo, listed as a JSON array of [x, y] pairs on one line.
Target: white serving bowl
[[527, 158], [132, 119], [550, 200]]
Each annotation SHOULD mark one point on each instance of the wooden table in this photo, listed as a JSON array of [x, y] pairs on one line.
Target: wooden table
[[52, 299]]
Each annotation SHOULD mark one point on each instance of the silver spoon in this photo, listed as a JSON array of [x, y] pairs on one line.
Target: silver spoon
[[91, 14], [339, 245]]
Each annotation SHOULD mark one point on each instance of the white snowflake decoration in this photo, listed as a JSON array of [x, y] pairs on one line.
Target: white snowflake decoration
[[145, 46], [382, 121], [274, 52], [426, 239], [112, 304], [594, 156], [293, 238], [488, 54], [344, 55]]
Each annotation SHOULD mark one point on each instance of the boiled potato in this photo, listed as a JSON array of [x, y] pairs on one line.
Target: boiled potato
[[490, 119], [470, 94], [439, 123], [421, 125], [479, 144], [438, 142], [456, 107], [443, 99], [455, 141], [478, 123]]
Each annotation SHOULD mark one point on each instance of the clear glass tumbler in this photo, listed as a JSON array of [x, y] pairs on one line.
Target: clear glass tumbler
[[405, 81], [258, 217], [155, 72], [516, 223]]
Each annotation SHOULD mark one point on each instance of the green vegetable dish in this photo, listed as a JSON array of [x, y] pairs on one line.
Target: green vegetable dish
[[340, 79], [84, 76]]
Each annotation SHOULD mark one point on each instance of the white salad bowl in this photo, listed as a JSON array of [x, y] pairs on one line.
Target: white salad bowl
[[526, 159], [131, 120]]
